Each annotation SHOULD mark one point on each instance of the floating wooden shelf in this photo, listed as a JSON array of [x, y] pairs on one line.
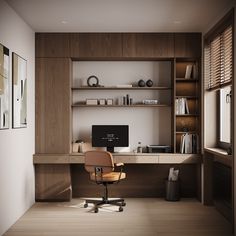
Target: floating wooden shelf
[[191, 97], [121, 88], [186, 80], [181, 115], [189, 132], [125, 106]]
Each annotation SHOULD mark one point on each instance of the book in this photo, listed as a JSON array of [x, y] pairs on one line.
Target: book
[[188, 71], [91, 102], [186, 106], [195, 72]]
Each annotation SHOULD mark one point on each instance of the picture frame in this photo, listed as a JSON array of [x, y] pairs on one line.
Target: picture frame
[[4, 87], [19, 91]]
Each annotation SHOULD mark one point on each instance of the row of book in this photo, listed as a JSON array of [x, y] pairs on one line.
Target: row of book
[[181, 106], [189, 143]]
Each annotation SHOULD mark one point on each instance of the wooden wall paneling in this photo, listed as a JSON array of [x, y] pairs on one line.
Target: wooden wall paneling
[[173, 123], [191, 123], [52, 45], [186, 89], [52, 182], [96, 45], [208, 178], [187, 44], [148, 45], [53, 105], [146, 180]]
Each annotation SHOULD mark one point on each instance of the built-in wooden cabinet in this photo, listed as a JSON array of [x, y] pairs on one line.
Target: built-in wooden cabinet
[[188, 45], [148, 45], [52, 45], [54, 55], [52, 182], [53, 78], [96, 45], [118, 45]]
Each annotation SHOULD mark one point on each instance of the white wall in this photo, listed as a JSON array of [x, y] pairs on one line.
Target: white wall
[[234, 175], [146, 125], [17, 145]]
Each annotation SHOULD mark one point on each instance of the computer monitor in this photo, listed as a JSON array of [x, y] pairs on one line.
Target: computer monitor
[[110, 136]]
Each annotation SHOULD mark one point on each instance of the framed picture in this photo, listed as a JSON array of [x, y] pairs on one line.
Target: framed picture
[[19, 91], [4, 87]]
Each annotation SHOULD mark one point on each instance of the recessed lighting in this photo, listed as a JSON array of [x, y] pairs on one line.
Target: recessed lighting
[[64, 22]]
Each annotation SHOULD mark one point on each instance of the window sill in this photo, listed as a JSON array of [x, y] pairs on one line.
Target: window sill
[[220, 155]]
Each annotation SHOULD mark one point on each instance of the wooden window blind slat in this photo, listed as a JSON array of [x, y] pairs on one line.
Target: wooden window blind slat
[[218, 60]]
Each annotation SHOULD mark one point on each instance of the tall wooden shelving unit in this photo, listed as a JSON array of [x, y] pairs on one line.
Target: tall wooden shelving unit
[[189, 89]]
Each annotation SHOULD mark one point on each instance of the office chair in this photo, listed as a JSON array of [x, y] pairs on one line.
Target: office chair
[[100, 165]]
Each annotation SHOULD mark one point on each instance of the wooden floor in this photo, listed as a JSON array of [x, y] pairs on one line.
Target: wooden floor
[[141, 217]]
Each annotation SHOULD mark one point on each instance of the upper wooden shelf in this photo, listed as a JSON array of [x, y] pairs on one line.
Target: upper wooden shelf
[[185, 80], [121, 88], [191, 114], [127, 106], [186, 96]]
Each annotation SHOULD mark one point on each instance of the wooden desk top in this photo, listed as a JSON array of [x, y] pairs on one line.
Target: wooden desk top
[[127, 158]]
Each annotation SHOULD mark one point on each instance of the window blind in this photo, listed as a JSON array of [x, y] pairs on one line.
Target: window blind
[[218, 60]]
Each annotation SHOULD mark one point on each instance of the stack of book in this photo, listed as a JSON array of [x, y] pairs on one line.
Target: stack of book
[[189, 143], [181, 106]]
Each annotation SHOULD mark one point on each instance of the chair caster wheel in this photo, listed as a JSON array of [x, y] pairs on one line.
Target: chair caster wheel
[[95, 210], [85, 205], [123, 204], [120, 209]]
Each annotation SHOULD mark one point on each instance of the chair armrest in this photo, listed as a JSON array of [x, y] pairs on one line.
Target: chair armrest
[[119, 164]]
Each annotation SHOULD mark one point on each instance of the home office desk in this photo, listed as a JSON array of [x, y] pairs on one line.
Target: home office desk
[[57, 174]]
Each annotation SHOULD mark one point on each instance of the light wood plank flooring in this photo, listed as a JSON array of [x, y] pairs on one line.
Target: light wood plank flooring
[[141, 217]]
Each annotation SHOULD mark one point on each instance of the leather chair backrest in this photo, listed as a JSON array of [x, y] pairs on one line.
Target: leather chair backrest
[[101, 159]]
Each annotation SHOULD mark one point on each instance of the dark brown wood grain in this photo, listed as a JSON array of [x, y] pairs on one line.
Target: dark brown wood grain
[[52, 182], [96, 45], [187, 44], [52, 45], [143, 180], [148, 45], [53, 110]]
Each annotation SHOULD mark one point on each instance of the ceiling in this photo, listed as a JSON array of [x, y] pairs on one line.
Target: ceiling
[[119, 15]]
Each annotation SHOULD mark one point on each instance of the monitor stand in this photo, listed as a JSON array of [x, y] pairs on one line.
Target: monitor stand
[[110, 149]]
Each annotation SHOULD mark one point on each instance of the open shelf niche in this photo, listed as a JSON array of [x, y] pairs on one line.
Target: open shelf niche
[[148, 124], [187, 100]]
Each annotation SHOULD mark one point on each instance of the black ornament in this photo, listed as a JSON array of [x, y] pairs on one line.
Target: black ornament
[[141, 83], [95, 80], [149, 83]]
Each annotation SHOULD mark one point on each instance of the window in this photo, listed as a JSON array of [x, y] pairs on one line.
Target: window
[[225, 116], [218, 74]]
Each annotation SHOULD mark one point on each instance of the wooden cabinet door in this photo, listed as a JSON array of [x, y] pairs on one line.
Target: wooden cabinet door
[[96, 45], [52, 182], [188, 44], [52, 45], [53, 108], [148, 45]]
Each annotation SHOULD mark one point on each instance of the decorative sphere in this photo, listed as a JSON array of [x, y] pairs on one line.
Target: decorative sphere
[[141, 83], [149, 83]]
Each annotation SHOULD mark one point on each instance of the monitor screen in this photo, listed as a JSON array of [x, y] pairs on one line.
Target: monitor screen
[[110, 136]]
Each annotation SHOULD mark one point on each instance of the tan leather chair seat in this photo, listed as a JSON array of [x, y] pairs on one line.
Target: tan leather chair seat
[[109, 177]]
